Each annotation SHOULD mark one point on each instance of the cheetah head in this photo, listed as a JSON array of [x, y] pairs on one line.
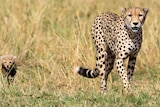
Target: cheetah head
[[8, 61], [134, 17]]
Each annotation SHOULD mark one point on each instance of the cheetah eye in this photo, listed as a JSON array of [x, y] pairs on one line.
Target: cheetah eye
[[140, 15], [10, 62], [130, 15]]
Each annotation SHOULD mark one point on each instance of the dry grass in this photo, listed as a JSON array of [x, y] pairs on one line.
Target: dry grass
[[52, 37]]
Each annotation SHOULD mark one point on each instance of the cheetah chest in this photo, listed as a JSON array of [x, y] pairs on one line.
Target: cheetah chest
[[128, 45], [125, 43]]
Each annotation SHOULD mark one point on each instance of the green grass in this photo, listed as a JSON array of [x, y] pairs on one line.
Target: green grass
[[51, 37], [144, 94]]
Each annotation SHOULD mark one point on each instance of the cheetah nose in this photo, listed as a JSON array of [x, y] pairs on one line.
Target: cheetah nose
[[8, 66], [135, 23]]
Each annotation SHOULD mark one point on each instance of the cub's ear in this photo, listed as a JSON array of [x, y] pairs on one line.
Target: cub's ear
[[146, 10], [123, 10], [14, 57]]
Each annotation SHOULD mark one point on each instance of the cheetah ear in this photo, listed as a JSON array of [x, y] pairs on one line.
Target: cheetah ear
[[123, 10], [14, 57], [146, 10]]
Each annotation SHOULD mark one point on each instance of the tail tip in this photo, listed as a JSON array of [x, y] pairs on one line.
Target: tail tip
[[77, 69]]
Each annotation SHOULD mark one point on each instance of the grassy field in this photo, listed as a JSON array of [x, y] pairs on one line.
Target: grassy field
[[51, 37]]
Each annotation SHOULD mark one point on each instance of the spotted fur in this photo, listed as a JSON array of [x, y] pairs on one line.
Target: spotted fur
[[116, 38]]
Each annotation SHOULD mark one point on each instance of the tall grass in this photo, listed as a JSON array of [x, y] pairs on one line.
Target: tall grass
[[51, 37]]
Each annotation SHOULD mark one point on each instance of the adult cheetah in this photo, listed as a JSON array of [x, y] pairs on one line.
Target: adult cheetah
[[116, 38]]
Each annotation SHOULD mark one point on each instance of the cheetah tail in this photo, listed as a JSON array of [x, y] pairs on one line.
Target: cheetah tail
[[87, 73]]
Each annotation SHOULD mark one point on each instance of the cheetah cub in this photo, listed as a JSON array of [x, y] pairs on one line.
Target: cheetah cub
[[8, 68]]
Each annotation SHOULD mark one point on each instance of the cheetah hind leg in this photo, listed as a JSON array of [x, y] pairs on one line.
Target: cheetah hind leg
[[109, 63], [100, 67], [99, 70]]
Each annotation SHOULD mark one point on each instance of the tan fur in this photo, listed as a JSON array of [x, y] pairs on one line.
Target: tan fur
[[116, 38], [8, 68]]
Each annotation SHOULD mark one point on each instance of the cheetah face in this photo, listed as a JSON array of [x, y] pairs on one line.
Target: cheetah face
[[8, 64], [8, 61], [134, 17]]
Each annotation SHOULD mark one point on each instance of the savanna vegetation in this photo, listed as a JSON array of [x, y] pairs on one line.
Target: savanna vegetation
[[51, 37]]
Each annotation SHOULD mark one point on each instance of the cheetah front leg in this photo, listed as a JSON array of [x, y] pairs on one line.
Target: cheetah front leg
[[131, 66], [123, 74]]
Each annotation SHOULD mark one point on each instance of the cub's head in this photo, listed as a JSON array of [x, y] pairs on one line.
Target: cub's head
[[8, 61], [134, 17]]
